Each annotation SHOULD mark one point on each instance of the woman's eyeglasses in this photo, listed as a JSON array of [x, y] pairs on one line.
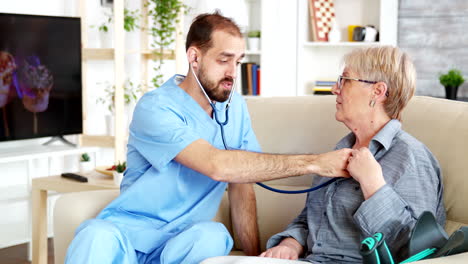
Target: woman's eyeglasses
[[341, 79]]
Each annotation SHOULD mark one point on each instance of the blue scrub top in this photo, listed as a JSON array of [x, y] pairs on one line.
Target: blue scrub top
[[160, 197]]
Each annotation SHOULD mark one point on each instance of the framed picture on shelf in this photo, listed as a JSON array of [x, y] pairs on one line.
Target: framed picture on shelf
[[322, 16]]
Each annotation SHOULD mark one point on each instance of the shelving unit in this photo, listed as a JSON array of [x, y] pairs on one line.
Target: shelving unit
[[255, 56], [255, 23], [15, 200], [340, 44], [322, 60], [117, 55]]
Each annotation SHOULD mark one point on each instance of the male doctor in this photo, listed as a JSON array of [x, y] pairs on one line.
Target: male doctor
[[178, 169]]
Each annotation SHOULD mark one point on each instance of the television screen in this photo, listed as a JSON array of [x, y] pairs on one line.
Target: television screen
[[40, 76]]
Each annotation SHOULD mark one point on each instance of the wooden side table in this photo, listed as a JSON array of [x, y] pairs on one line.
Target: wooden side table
[[40, 187]]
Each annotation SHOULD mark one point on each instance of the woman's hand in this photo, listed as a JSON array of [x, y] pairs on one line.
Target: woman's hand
[[363, 167], [289, 248]]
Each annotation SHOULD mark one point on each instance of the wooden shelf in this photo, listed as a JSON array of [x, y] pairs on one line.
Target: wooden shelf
[[167, 55], [118, 55], [98, 54], [340, 44], [99, 141], [108, 54]]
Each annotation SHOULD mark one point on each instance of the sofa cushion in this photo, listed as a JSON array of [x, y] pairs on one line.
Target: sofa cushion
[[295, 125]]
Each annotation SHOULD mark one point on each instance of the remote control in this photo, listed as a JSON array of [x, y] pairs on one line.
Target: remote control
[[75, 177]]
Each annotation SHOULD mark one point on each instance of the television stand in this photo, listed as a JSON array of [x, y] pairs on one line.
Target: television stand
[[61, 139]]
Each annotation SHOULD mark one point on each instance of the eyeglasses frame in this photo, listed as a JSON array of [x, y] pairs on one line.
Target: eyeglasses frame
[[340, 77]]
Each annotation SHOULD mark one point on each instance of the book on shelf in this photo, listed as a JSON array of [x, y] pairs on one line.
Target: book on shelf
[[323, 87], [258, 80], [324, 83], [322, 17], [245, 85], [322, 90], [250, 78], [254, 79]]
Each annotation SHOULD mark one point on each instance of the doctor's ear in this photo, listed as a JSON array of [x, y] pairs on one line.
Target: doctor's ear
[[192, 55]]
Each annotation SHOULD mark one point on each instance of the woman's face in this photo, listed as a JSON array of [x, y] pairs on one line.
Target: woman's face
[[352, 98]]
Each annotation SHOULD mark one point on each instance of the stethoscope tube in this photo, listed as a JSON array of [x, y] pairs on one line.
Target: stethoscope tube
[[222, 124], [297, 191]]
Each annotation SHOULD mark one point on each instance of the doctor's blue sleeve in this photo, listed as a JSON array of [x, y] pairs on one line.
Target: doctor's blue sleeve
[[159, 132]]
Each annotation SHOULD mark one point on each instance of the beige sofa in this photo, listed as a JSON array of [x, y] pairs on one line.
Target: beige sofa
[[307, 125]]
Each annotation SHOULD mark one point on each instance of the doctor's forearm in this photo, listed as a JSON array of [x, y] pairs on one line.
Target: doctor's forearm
[[244, 217], [244, 167], [239, 166]]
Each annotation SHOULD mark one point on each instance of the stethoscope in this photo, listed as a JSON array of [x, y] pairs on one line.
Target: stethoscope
[[222, 124]]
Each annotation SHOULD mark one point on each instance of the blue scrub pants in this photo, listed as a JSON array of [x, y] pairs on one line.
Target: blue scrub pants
[[100, 241]]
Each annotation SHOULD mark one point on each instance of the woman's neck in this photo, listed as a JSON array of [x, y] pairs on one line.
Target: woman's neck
[[365, 129]]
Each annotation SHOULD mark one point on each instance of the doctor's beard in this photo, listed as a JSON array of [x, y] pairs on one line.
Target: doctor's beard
[[214, 89]]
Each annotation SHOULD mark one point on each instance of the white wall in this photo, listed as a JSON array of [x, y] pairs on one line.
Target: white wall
[[43, 7], [279, 37]]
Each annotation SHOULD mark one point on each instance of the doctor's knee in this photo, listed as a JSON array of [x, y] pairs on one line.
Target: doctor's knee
[[198, 242], [214, 235], [97, 230]]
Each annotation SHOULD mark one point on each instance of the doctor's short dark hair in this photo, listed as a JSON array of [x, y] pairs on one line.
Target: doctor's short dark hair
[[204, 25]]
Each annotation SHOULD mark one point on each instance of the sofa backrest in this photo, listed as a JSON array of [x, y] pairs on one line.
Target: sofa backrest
[[307, 125], [295, 125], [290, 125], [443, 126]]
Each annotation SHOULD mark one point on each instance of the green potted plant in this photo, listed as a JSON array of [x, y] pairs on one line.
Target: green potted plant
[[253, 40], [131, 18], [451, 81], [164, 16], [120, 167], [131, 93], [85, 157], [85, 163]]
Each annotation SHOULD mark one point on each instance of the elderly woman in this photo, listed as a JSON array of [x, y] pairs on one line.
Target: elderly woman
[[394, 177]]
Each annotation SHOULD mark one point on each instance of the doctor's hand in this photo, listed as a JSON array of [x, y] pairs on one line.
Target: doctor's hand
[[289, 248], [366, 170], [333, 164]]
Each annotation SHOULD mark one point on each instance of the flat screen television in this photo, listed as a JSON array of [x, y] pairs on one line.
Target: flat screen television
[[40, 76]]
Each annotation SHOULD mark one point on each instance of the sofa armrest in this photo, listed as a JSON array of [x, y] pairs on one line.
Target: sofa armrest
[[70, 210]]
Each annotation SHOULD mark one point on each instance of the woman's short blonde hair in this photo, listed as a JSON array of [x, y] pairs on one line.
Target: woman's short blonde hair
[[389, 65]]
